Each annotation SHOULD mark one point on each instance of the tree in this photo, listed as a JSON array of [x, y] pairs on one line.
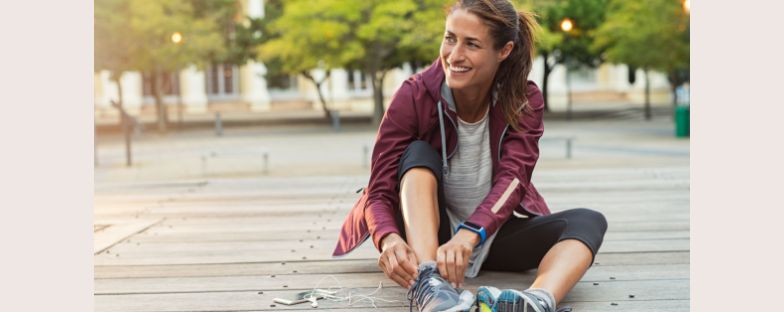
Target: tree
[[573, 49], [112, 51], [394, 32], [304, 38], [651, 35], [372, 36]]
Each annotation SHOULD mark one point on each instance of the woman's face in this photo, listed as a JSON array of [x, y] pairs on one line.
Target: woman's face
[[467, 53]]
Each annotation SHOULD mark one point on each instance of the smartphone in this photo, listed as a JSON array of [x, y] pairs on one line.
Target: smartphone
[[300, 297]]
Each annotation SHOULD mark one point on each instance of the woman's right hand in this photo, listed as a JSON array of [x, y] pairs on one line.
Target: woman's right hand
[[398, 260]]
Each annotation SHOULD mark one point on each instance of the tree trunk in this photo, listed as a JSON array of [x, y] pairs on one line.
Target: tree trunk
[[547, 70], [647, 95], [377, 82], [116, 78], [327, 112], [125, 120], [673, 79], [160, 109]]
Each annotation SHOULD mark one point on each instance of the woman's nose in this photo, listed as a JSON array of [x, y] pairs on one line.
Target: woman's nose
[[455, 55]]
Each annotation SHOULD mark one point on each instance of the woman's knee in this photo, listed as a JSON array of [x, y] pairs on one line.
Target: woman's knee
[[421, 161], [419, 175], [590, 216]]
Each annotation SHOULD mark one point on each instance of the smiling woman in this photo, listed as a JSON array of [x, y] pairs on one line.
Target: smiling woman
[[453, 160]]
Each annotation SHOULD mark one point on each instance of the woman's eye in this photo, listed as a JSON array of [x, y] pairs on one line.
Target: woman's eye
[[450, 40]]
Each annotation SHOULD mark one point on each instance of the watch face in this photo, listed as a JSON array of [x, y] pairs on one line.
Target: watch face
[[472, 225]]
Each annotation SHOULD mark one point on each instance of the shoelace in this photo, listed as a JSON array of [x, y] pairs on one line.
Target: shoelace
[[421, 289]]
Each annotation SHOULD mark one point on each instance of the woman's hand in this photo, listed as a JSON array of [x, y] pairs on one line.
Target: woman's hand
[[452, 257], [398, 260]]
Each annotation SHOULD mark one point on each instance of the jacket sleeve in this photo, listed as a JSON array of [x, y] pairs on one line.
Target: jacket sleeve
[[397, 130], [520, 151]]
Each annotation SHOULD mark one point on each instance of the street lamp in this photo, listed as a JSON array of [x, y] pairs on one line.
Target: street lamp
[[176, 37], [567, 25]]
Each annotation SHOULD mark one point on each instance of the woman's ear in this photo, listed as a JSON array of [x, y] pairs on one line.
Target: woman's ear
[[505, 51]]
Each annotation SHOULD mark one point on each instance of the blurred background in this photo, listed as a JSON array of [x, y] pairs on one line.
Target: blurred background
[[170, 71]]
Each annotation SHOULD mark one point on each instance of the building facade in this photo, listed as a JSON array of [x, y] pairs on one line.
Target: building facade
[[248, 88]]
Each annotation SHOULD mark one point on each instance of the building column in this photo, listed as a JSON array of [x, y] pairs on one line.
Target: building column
[[254, 86], [106, 91], [192, 89], [339, 89], [133, 96]]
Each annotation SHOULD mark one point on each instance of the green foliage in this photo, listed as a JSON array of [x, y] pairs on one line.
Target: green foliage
[[372, 36], [154, 22], [576, 45], [651, 34], [112, 50], [304, 38]]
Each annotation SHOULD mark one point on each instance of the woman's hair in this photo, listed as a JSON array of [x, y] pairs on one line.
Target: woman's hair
[[507, 24]]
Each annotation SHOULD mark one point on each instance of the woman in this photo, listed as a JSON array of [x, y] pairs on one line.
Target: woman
[[450, 193]]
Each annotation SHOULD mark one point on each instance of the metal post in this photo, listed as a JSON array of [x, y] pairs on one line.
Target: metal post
[[218, 124], [265, 169], [365, 150], [127, 133], [336, 120], [568, 94]]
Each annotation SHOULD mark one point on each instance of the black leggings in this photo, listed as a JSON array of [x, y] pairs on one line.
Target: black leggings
[[521, 243]]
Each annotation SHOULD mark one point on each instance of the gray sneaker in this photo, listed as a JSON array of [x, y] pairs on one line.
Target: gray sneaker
[[432, 293]]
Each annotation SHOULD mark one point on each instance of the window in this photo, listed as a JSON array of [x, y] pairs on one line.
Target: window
[[281, 81], [357, 81], [222, 81]]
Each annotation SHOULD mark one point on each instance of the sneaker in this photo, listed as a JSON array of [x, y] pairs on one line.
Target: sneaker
[[486, 296], [491, 299], [432, 293]]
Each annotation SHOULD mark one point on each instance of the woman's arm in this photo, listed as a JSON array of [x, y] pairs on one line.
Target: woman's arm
[[397, 130]]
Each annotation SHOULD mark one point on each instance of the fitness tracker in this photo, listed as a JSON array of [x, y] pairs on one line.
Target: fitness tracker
[[473, 228]]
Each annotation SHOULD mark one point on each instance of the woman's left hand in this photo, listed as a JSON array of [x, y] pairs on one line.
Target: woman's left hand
[[452, 257]]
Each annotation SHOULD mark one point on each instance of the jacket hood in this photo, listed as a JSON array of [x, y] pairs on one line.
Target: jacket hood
[[432, 78]]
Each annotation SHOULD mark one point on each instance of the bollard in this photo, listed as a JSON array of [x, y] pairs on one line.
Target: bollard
[[265, 169], [365, 150], [336, 120], [218, 124], [569, 148], [203, 165], [127, 133]]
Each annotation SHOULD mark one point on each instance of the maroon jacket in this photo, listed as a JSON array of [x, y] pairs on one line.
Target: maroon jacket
[[413, 115]]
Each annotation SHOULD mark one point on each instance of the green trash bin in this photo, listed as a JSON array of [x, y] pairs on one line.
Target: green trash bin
[[682, 121]]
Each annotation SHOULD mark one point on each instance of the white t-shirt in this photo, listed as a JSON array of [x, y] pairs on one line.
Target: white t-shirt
[[469, 180]]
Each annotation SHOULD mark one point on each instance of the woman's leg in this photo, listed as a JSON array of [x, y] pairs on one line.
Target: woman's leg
[[561, 245], [419, 205], [419, 174], [562, 267]]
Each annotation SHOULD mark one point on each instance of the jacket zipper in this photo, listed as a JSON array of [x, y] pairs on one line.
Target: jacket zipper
[[453, 125]]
